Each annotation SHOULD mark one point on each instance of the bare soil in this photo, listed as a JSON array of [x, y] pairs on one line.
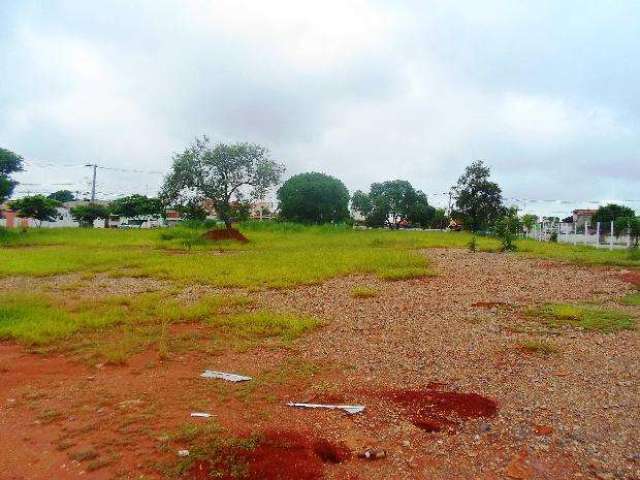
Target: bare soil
[[225, 234], [436, 361]]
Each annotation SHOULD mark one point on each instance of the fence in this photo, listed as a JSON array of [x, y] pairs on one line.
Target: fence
[[601, 235]]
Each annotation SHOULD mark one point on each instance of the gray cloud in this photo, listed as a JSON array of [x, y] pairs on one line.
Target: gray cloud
[[545, 92]]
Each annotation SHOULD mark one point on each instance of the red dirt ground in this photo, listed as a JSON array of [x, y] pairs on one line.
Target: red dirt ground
[[279, 455], [632, 277], [435, 410], [225, 234]]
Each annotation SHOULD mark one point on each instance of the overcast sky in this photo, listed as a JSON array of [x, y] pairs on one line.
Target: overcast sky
[[547, 93]]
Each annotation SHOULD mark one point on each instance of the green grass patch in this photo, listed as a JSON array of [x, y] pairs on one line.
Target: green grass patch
[[277, 255], [266, 324], [41, 320], [364, 291], [587, 317], [632, 299]]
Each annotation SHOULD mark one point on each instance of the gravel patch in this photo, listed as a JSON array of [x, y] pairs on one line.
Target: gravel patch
[[574, 412]]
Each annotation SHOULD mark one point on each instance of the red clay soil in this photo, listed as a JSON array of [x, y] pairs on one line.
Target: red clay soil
[[279, 455], [632, 277], [435, 410], [219, 234]]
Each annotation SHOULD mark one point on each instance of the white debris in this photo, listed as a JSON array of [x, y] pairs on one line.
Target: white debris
[[201, 414], [350, 409], [183, 453], [229, 377]]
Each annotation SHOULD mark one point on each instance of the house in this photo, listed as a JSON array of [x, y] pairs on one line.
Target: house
[[582, 217]]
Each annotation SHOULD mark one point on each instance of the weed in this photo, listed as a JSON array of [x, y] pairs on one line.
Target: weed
[[586, 317], [364, 291], [538, 346], [632, 299], [472, 245], [49, 416], [99, 463], [83, 455], [265, 323], [407, 273]]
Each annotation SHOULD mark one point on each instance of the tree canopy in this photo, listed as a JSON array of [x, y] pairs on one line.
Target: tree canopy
[[221, 173], [135, 206], [478, 199], [38, 207], [62, 196], [391, 202], [314, 198], [85, 215], [611, 212], [9, 163]]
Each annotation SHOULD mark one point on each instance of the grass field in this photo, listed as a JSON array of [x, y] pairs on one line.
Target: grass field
[[278, 255]]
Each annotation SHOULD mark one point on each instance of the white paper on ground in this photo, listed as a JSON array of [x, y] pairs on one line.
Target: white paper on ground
[[350, 409], [229, 377]]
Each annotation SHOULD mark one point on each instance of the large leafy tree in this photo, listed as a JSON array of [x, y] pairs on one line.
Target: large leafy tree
[[9, 163], [38, 207], [611, 213], [62, 196], [314, 198], [85, 215], [390, 202], [629, 225], [421, 213], [478, 199], [221, 173], [135, 206]]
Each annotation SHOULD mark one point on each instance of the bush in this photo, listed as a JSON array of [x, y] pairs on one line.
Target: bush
[[473, 244], [507, 229]]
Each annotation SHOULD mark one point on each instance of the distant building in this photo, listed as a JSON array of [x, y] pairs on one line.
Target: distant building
[[582, 217]]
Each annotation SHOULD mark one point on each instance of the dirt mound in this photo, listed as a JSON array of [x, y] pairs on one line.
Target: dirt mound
[[275, 455], [435, 410], [218, 234]]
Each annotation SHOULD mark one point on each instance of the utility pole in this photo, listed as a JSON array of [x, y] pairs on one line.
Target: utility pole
[[93, 183]]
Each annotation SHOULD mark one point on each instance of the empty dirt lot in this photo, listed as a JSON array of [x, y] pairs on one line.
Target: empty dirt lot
[[461, 376]]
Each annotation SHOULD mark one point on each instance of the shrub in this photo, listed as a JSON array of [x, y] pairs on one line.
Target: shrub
[[507, 228], [473, 244]]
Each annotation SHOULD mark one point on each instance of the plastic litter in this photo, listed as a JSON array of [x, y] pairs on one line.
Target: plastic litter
[[183, 453], [229, 377], [373, 454], [201, 414], [350, 409]]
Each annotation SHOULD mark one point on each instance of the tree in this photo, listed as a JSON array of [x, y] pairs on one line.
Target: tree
[[508, 226], [135, 206], [391, 202], [439, 219], [611, 212], [85, 215], [361, 203], [62, 196], [314, 198], [9, 163], [38, 207], [221, 173], [529, 221], [479, 200], [630, 225], [421, 213]]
